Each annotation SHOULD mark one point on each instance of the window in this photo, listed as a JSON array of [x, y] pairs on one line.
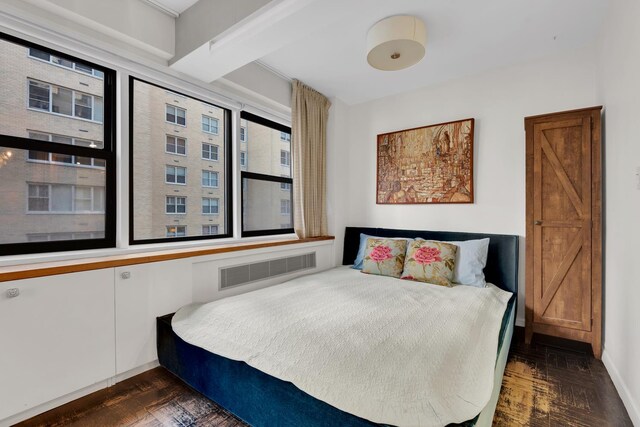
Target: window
[[176, 115], [210, 206], [64, 198], [60, 100], [209, 151], [266, 189], [285, 158], [209, 230], [285, 207], [77, 66], [210, 179], [285, 186], [192, 186], [49, 237], [57, 151], [285, 136], [243, 134], [175, 145], [64, 159], [209, 124], [175, 175], [176, 205], [176, 230]]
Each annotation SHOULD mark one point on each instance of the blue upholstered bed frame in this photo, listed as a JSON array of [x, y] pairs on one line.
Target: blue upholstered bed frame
[[262, 400]]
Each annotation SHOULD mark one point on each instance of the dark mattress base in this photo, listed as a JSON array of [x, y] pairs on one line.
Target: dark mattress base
[[253, 396]]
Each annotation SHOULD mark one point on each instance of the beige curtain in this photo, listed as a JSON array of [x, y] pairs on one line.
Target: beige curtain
[[309, 111]]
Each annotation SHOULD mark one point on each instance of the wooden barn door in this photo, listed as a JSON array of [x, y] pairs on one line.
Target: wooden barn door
[[560, 226]]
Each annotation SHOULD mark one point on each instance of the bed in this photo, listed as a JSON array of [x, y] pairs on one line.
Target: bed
[[263, 400]]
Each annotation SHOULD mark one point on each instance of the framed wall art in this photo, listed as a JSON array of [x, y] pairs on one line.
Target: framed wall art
[[430, 164]]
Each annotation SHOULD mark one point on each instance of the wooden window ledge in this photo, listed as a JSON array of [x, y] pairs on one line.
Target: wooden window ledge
[[29, 271]]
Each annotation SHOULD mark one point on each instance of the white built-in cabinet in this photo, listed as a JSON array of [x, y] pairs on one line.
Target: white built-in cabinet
[[67, 335], [144, 292], [57, 336]]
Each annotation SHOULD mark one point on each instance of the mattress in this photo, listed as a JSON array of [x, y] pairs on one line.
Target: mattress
[[384, 350]]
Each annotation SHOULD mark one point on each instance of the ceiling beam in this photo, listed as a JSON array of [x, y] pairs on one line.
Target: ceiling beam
[[270, 28]]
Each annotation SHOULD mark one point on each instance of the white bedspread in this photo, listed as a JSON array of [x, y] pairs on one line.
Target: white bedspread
[[384, 349]]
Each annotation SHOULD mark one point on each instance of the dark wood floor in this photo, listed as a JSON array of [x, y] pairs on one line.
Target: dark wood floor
[[550, 383]]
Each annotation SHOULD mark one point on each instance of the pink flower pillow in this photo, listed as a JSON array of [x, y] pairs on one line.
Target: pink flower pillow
[[384, 257], [430, 261]]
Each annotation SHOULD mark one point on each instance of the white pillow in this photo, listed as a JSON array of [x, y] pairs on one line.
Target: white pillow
[[471, 259]]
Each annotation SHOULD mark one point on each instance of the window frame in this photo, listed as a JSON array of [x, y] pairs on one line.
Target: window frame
[[74, 92], [175, 138], [214, 173], [227, 208], [176, 234], [209, 159], [244, 175], [287, 157], [209, 227], [176, 167], [107, 153], [210, 120], [175, 205], [74, 66], [166, 106], [210, 199]]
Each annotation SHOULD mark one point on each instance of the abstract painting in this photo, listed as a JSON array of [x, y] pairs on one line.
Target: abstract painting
[[430, 164]]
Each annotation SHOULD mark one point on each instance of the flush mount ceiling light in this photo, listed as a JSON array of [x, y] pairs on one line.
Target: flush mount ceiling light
[[396, 42]]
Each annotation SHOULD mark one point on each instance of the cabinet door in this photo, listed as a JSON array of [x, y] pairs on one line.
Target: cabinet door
[[144, 292], [56, 337]]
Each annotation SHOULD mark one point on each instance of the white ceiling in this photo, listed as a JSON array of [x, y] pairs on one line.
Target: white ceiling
[[464, 37]]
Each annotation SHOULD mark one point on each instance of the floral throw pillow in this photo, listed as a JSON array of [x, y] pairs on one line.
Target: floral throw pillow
[[430, 261], [384, 257]]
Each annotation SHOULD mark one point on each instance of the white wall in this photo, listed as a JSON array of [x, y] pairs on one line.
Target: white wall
[[498, 100], [620, 94]]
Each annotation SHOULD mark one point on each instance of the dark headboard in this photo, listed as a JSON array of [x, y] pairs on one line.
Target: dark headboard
[[502, 262]]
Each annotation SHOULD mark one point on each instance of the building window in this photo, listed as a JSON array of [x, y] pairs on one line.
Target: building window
[[266, 188], [209, 230], [176, 115], [58, 170], [243, 134], [64, 159], [210, 179], [67, 102], [285, 136], [243, 159], [56, 60], [209, 124], [175, 175], [175, 145], [209, 151], [187, 179], [285, 186], [176, 230], [285, 207], [210, 206], [65, 198], [54, 237], [176, 205], [285, 158]]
